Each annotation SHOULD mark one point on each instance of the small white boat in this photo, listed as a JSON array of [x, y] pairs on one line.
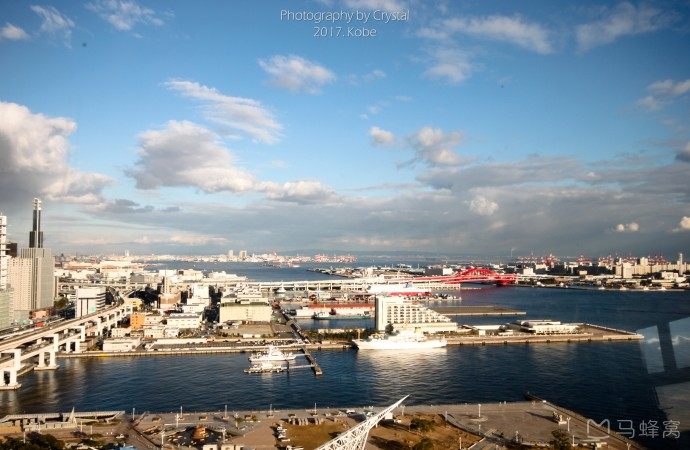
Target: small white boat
[[272, 354]]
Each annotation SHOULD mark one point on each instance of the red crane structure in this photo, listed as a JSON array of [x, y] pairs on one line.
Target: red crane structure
[[473, 275]]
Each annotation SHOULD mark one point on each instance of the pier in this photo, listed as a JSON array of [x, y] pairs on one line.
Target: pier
[[588, 333], [312, 361]]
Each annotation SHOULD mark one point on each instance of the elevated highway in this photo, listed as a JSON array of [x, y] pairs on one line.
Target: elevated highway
[[44, 343]]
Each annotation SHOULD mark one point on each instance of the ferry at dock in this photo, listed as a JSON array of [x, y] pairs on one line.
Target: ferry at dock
[[404, 340], [271, 355]]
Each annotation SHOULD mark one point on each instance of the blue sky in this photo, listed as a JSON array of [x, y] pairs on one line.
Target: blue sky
[[464, 128]]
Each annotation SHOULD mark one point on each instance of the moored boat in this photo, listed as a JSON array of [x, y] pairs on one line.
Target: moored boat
[[272, 354], [401, 341]]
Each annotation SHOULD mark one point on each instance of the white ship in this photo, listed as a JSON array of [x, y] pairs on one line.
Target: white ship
[[400, 341], [272, 354]]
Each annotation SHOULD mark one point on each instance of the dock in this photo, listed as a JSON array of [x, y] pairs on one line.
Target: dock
[[588, 333], [486, 311], [312, 361]]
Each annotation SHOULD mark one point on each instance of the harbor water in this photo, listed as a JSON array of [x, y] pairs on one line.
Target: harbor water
[[629, 381]]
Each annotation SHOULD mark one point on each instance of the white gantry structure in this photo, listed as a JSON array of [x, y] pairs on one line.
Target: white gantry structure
[[356, 437]]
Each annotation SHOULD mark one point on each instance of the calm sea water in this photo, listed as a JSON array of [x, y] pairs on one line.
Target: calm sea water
[[620, 381]]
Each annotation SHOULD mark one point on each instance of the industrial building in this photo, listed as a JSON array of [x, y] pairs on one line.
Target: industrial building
[[245, 311], [120, 344], [183, 321]]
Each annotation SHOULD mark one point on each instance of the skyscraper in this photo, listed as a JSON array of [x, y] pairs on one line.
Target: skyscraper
[[36, 235], [3, 252], [30, 275], [5, 299]]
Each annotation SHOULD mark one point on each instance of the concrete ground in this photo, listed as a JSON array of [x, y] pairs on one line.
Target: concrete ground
[[494, 424]]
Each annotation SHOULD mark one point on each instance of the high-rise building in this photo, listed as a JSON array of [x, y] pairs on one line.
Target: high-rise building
[[5, 298], [31, 274], [5, 309], [4, 257], [36, 235]]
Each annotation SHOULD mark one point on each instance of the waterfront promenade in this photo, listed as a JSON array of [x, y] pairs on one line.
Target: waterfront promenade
[[491, 425]]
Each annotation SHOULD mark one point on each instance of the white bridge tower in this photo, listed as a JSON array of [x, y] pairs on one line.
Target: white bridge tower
[[356, 437]]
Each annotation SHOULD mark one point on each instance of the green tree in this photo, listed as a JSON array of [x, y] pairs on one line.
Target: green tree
[[34, 441], [421, 425], [561, 440], [424, 444]]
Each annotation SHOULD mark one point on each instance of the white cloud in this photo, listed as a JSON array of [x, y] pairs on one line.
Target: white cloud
[[683, 225], [34, 150], [13, 33], [186, 154], [125, 14], [375, 74], [183, 239], [296, 73], [663, 92], [670, 88], [514, 30], [625, 19], [650, 103], [369, 77], [385, 5], [631, 227], [482, 206], [434, 146], [301, 191], [449, 64], [380, 136], [236, 113], [54, 23]]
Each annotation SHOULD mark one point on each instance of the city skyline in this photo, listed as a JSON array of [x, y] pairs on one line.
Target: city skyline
[[156, 127]]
